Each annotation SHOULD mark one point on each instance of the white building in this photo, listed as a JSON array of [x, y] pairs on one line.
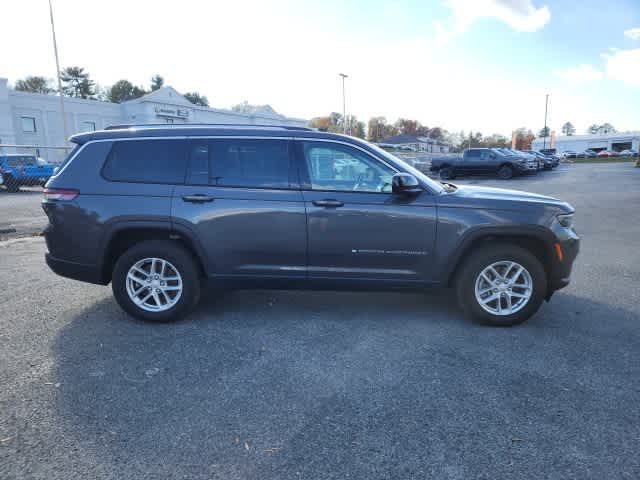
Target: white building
[[35, 119], [415, 144], [580, 143]]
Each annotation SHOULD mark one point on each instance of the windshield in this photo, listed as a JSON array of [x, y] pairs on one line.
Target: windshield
[[497, 151], [436, 186]]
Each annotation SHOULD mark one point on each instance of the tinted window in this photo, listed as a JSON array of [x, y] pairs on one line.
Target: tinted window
[[21, 161], [473, 154], [148, 161], [339, 167], [239, 163]]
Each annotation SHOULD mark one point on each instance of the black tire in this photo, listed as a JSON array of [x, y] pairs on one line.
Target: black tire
[[505, 172], [11, 184], [447, 173], [172, 252], [478, 260]]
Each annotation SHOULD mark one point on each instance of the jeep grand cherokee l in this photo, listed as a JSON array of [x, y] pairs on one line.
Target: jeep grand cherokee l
[[157, 210]]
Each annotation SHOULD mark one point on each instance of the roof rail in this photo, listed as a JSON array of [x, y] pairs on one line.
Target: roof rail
[[188, 125]]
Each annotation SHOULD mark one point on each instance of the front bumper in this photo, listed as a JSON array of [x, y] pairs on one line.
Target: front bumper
[[526, 167], [560, 275]]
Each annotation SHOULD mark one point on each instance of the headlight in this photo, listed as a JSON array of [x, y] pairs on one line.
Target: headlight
[[566, 220]]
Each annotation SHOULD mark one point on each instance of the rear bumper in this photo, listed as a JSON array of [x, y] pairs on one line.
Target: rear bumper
[[76, 271]]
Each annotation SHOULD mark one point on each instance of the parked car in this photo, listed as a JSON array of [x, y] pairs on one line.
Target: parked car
[[604, 153], [570, 154], [546, 161], [529, 156], [590, 154], [161, 212], [628, 153], [482, 161], [614, 153], [515, 154], [18, 170], [551, 152]]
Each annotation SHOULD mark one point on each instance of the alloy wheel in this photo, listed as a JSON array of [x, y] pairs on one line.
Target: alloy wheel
[[503, 288], [154, 284]]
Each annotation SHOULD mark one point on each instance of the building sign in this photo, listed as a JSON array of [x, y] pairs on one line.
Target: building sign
[[166, 111]]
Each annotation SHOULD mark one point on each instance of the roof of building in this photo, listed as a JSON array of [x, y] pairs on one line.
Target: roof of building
[[594, 137], [170, 95], [404, 139]]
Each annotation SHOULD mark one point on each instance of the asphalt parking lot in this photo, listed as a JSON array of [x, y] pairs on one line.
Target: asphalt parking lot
[[325, 385]]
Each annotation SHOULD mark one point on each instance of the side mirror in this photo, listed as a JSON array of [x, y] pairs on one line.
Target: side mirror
[[405, 184]]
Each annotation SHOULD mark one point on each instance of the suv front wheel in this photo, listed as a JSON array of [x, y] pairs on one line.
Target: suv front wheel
[[501, 285], [156, 280]]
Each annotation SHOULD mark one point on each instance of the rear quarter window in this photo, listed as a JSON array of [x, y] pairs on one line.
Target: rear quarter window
[[146, 161]]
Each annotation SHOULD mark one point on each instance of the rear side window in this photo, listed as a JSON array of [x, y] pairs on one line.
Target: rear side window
[[146, 161], [473, 154], [240, 163]]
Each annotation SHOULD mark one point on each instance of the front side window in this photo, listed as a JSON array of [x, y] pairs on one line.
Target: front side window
[[28, 124], [246, 163], [343, 168], [146, 161]]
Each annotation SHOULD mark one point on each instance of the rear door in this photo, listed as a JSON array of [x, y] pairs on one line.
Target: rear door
[[241, 202], [357, 229]]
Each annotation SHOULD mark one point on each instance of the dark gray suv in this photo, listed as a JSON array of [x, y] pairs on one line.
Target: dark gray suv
[[157, 210]]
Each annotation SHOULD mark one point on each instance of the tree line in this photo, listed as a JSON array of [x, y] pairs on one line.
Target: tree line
[[376, 129], [77, 83]]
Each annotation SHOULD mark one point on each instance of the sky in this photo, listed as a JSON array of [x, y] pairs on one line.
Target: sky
[[481, 65]]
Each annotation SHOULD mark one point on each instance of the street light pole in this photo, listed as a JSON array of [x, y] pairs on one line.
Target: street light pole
[[55, 51], [544, 139], [344, 104]]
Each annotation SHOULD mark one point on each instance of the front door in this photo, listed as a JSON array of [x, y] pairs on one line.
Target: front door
[[242, 202], [358, 229]]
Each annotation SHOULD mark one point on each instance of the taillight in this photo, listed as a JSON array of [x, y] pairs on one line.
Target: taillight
[[60, 194]]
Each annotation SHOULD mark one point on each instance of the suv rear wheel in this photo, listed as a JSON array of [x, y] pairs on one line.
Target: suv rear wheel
[[156, 280], [501, 285]]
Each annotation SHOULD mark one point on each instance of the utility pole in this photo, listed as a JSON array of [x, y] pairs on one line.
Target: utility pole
[[55, 51], [344, 104], [544, 139]]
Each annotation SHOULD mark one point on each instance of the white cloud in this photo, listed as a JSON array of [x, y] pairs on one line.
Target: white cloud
[[520, 15], [633, 33], [579, 74], [624, 65]]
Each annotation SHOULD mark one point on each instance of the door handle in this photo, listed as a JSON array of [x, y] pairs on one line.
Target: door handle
[[328, 203], [197, 198]]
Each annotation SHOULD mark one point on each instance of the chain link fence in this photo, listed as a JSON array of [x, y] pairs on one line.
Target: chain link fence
[[28, 165]]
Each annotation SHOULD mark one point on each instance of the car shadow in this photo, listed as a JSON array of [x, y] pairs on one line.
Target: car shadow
[[269, 383]]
